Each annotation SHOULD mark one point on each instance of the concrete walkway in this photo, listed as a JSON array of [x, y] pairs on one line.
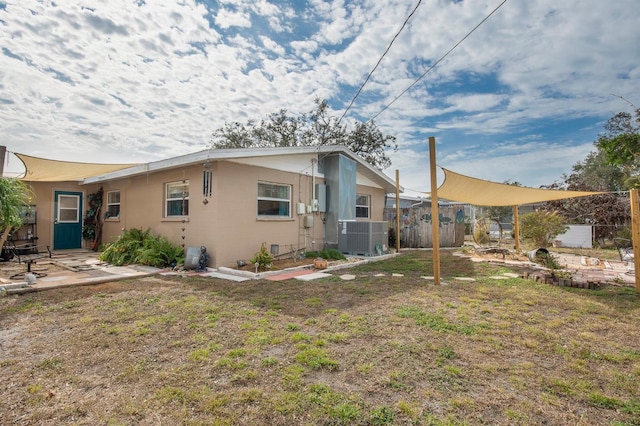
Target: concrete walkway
[[82, 267]]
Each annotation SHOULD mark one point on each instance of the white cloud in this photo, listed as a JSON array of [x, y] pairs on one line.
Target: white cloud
[[138, 81], [226, 18]]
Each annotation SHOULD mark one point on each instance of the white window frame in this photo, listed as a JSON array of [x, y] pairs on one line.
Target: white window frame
[[363, 206], [73, 208], [274, 199], [168, 199], [112, 204]]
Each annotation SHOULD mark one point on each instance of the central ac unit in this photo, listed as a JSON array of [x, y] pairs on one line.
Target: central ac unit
[[362, 238]]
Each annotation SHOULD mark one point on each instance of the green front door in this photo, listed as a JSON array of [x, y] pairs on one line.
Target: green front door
[[67, 220]]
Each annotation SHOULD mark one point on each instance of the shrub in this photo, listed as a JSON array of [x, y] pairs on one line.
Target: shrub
[[328, 254], [140, 247], [263, 258], [481, 232], [542, 227]]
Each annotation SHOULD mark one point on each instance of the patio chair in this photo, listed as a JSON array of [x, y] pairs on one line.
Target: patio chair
[[625, 249], [28, 254]]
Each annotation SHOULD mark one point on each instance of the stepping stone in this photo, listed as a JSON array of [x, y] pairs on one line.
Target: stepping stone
[[313, 276], [379, 275], [397, 275], [229, 277], [500, 277], [511, 275], [347, 277], [464, 279]]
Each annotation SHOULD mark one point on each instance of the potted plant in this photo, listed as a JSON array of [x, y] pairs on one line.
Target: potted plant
[[89, 232]]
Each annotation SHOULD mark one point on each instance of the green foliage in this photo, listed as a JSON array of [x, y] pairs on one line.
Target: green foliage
[[382, 416], [328, 254], [621, 143], [319, 127], [315, 358], [140, 247], [263, 258], [614, 166], [159, 252], [609, 210], [14, 194], [549, 261], [435, 322], [542, 227]]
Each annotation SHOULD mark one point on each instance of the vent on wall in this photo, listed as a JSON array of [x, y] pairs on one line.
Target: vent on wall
[[362, 238]]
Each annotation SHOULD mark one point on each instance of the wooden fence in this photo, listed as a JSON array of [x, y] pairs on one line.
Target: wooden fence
[[415, 226]]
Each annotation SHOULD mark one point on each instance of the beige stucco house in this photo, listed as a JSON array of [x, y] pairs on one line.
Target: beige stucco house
[[230, 201]]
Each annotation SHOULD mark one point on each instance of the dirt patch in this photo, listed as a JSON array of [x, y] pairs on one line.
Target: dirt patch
[[283, 263], [278, 264]]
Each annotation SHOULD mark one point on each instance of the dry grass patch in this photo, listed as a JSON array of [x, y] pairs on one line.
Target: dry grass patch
[[373, 351]]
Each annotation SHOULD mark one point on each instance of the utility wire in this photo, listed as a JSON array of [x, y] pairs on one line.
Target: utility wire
[[438, 61], [379, 60]]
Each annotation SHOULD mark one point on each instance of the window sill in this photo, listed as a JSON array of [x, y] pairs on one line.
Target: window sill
[[175, 219], [273, 219], [112, 219]]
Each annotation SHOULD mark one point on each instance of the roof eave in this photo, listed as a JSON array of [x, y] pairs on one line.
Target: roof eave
[[227, 154]]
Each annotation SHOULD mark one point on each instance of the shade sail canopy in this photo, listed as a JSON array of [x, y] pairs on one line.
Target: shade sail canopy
[[457, 187], [43, 170]]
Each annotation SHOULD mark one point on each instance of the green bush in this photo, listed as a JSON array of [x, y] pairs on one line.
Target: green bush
[[263, 258], [136, 246], [542, 227], [328, 254]]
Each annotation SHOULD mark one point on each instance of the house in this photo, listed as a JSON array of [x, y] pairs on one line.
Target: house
[[230, 201]]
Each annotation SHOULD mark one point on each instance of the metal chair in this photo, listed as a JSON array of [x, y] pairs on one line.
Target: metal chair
[[625, 250]]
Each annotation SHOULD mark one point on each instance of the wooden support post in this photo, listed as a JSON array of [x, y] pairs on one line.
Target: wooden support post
[[435, 219], [3, 153], [397, 211], [516, 228], [635, 234]]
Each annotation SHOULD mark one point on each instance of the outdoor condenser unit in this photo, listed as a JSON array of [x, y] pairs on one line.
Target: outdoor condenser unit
[[362, 238]]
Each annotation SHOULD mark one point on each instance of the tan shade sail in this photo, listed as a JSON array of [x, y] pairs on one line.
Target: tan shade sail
[[457, 187], [43, 170]]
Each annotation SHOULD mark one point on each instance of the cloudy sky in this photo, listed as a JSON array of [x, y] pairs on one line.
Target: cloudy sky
[[522, 98]]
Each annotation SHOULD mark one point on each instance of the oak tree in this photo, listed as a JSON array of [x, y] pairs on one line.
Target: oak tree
[[316, 128]]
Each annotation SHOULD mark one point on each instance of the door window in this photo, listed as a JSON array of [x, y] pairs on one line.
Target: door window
[[68, 208]]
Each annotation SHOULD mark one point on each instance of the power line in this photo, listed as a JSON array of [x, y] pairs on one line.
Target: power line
[[379, 60], [438, 61]]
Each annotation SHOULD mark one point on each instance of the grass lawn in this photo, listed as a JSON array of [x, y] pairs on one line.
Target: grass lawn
[[377, 350]]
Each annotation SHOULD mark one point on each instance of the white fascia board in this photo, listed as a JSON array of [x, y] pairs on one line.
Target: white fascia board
[[364, 168]]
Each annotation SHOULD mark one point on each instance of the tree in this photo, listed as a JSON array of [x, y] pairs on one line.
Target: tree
[[542, 227], [316, 128], [621, 145], [608, 212], [14, 194], [500, 214]]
